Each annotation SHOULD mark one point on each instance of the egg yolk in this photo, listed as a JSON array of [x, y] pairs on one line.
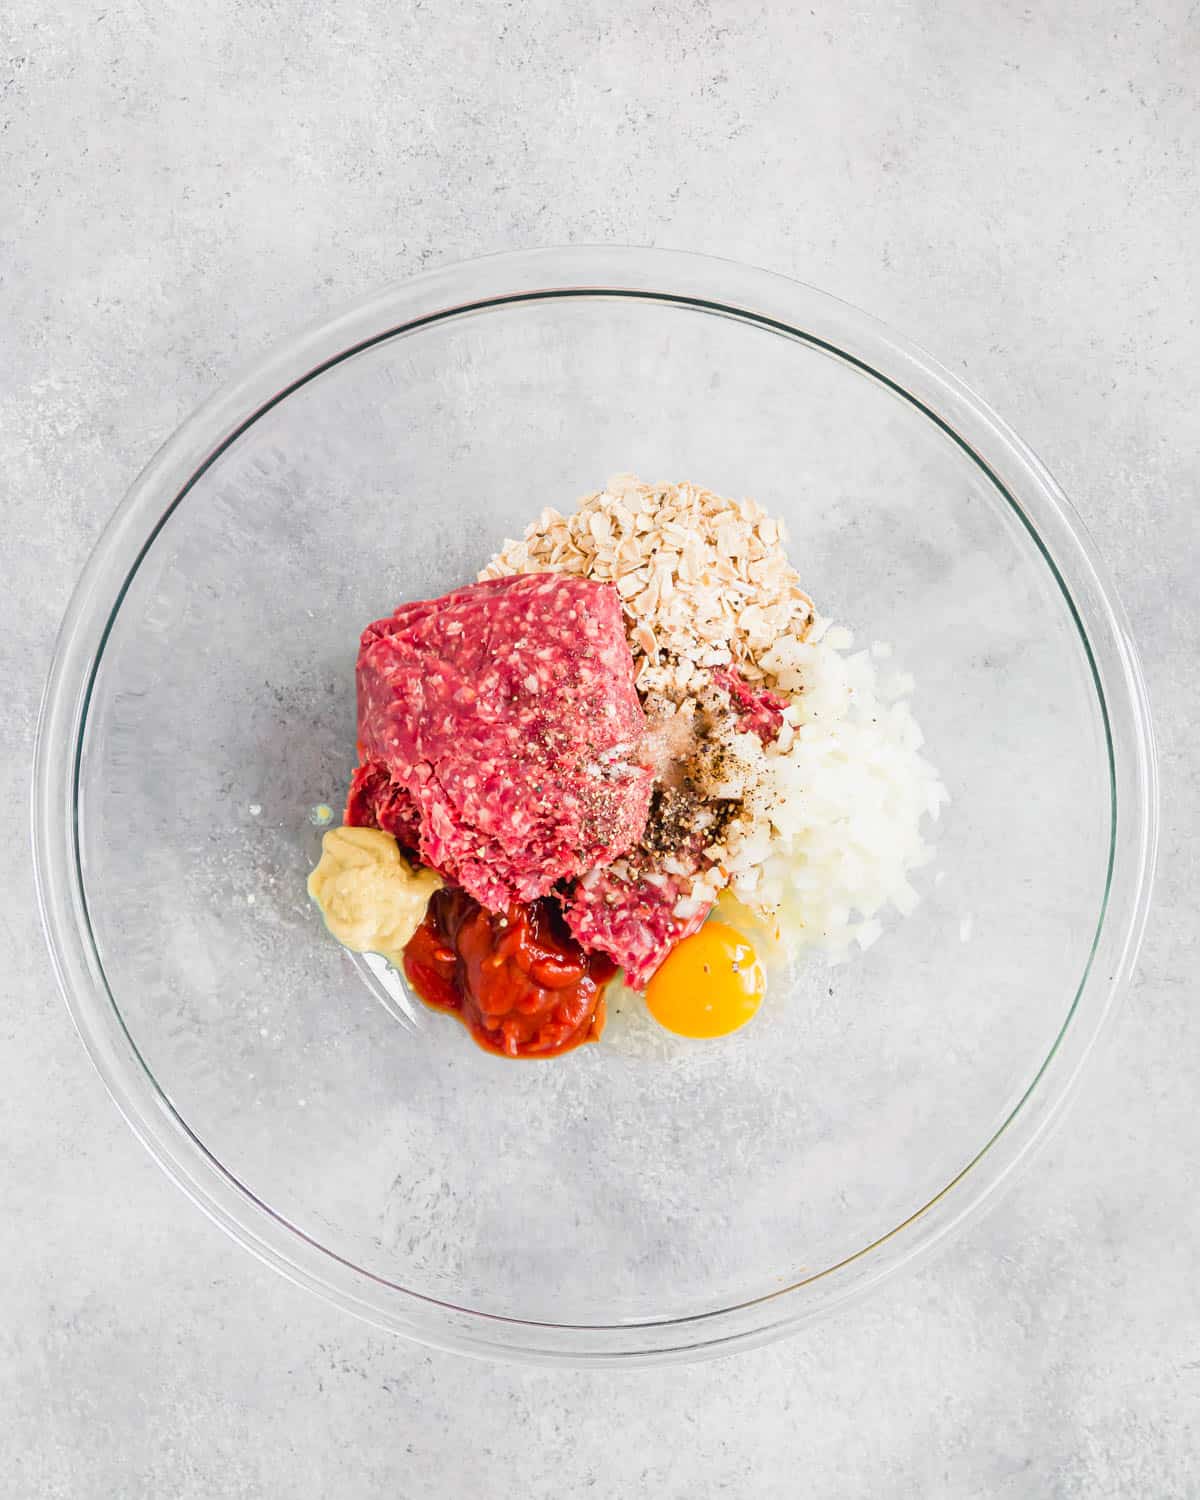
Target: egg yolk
[[710, 985]]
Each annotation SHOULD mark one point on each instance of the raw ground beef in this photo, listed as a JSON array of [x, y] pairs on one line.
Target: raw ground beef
[[376, 801], [631, 918], [628, 909], [759, 710], [498, 728]]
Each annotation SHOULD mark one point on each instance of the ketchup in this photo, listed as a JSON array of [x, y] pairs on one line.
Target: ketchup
[[518, 980]]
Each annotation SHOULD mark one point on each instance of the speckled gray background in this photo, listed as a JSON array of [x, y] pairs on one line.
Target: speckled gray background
[[1017, 188]]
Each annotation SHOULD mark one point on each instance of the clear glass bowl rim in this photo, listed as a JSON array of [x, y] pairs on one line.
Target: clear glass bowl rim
[[716, 287]]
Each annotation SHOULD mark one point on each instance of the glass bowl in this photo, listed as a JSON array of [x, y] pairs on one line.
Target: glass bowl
[[648, 1197]]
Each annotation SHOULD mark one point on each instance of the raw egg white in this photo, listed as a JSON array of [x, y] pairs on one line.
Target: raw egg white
[[710, 985]]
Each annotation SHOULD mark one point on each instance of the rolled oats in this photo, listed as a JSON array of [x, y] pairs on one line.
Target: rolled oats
[[693, 570]]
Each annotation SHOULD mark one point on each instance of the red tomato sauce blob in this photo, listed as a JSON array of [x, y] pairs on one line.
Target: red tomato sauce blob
[[517, 979]]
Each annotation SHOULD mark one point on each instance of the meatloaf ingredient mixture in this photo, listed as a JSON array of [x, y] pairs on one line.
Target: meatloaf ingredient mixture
[[498, 731], [634, 711]]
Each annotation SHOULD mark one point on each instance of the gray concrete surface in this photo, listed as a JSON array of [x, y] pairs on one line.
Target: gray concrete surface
[[1017, 188]]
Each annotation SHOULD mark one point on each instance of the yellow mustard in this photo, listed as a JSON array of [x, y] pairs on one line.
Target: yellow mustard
[[372, 899]]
